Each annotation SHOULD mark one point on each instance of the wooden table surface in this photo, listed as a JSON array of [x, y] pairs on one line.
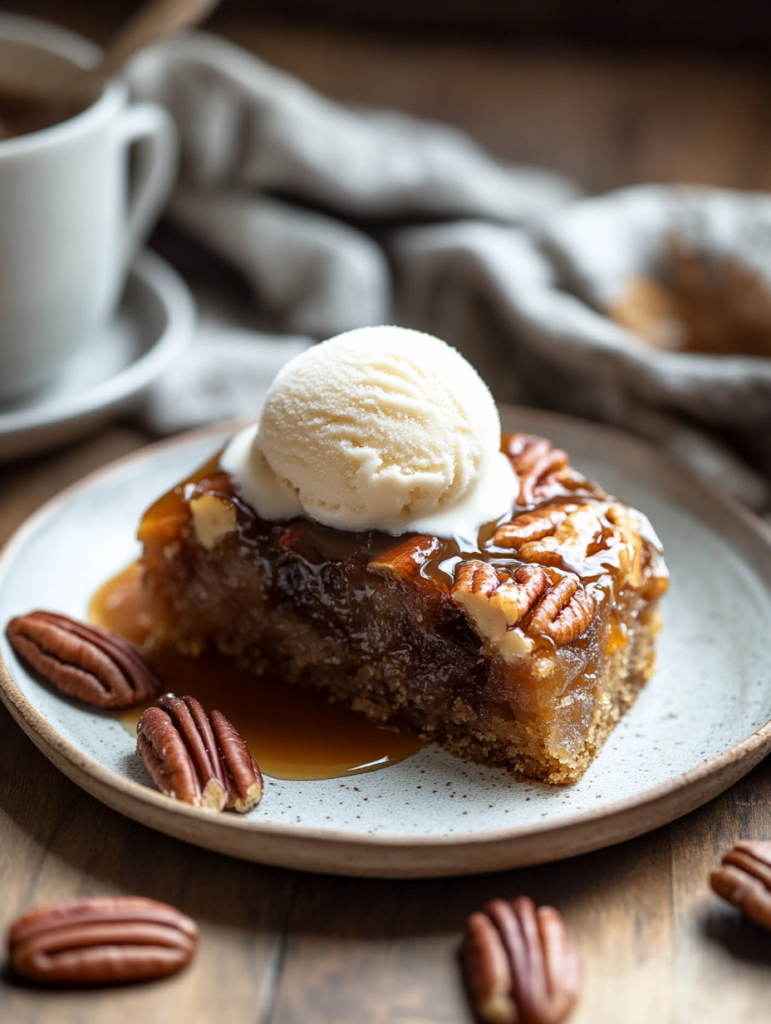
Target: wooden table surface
[[290, 948]]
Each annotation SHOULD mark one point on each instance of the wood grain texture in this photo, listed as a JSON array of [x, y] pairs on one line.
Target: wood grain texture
[[289, 948], [280, 947], [604, 119], [284, 948]]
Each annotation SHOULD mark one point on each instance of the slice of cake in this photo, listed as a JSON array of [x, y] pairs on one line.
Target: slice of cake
[[495, 601]]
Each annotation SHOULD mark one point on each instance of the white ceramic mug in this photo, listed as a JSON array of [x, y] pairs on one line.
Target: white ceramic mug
[[71, 215]]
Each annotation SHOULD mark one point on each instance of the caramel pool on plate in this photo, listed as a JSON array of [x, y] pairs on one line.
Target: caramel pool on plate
[[291, 733]]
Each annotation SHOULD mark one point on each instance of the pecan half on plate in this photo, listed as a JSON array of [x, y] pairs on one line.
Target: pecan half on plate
[[744, 880], [200, 760], [83, 661], [99, 941], [520, 965]]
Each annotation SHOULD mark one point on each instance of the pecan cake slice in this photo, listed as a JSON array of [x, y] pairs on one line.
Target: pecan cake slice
[[523, 652]]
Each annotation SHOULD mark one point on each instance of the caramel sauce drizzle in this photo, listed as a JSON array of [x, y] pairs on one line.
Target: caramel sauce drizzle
[[291, 733], [295, 733], [318, 544]]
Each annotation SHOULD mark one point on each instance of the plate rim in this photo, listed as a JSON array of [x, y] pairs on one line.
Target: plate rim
[[703, 782]]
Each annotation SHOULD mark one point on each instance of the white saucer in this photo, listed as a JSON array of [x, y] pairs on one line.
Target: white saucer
[[151, 328]]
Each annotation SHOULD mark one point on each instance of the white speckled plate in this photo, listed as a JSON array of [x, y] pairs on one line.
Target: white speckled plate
[[700, 724]]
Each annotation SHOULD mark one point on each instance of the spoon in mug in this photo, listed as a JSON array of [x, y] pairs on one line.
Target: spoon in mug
[[151, 23], [68, 83]]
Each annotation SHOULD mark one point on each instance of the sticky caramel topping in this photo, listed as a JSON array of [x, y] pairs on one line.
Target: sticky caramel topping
[[417, 631], [583, 531], [291, 733]]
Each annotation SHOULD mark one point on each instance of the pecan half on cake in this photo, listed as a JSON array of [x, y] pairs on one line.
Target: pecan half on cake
[[518, 644]]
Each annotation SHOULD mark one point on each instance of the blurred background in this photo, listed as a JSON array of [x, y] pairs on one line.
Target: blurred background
[[607, 93]]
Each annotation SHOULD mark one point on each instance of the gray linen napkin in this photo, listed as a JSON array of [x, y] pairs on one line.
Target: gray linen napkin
[[339, 217], [278, 181], [491, 292], [718, 239], [273, 175]]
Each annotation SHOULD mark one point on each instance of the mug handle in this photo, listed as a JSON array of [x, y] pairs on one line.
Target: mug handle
[[150, 130]]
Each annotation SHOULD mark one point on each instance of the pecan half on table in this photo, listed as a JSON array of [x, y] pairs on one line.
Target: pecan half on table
[[99, 941], [200, 760], [83, 661], [744, 880], [520, 965]]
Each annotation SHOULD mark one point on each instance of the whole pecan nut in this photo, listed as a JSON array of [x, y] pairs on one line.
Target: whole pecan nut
[[571, 541], [529, 526], [527, 599], [477, 581], [520, 964], [563, 612], [537, 463], [83, 661], [403, 564], [199, 760], [495, 605], [243, 778], [744, 880], [404, 560], [103, 940]]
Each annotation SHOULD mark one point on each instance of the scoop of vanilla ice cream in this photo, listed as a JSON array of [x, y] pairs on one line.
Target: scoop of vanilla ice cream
[[379, 428]]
